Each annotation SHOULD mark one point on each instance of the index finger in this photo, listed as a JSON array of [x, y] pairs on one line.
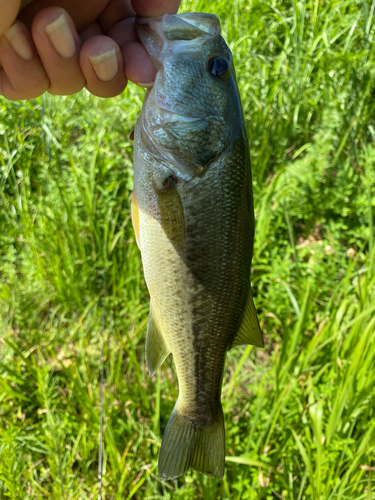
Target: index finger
[[155, 8]]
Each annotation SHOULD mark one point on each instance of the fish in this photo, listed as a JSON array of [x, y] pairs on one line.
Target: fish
[[193, 216]]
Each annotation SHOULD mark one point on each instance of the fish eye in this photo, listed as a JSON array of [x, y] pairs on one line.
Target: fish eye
[[218, 66]]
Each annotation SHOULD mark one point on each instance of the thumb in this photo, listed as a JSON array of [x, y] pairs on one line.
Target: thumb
[[9, 10]]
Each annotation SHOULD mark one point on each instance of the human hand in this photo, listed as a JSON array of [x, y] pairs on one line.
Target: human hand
[[65, 45]]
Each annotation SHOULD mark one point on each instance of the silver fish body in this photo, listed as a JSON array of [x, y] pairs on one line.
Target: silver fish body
[[193, 216]]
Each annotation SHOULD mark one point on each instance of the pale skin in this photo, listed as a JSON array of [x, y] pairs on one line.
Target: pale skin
[[62, 46]]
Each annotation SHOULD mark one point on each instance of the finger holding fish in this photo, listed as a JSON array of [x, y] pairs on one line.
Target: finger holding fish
[[53, 45]]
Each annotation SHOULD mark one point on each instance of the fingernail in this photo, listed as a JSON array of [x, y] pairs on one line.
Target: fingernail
[[19, 42], [147, 85], [61, 37], [105, 65]]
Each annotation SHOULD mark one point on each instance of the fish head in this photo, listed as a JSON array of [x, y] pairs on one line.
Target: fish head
[[190, 115]]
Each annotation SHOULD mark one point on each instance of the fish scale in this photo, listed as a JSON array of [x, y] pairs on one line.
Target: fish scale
[[192, 211]]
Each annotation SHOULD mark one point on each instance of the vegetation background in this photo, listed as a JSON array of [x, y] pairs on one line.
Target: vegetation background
[[300, 413]]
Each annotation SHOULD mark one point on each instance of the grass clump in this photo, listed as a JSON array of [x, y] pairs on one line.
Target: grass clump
[[300, 414]]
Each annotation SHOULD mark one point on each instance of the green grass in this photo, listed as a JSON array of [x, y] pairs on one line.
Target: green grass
[[299, 414]]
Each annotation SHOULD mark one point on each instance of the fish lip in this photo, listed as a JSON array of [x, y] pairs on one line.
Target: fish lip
[[139, 20], [151, 40], [200, 22]]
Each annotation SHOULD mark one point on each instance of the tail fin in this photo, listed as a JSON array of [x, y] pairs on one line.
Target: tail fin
[[192, 443]]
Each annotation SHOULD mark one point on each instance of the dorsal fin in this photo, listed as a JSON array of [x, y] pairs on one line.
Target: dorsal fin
[[249, 331]]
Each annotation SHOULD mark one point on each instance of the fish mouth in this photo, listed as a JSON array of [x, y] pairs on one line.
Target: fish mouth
[[175, 33], [180, 34]]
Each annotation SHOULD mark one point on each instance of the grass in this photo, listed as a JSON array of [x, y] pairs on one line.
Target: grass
[[299, 414]]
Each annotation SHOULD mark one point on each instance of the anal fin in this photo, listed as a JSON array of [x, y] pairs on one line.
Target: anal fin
[[156, 346], [249, 331]]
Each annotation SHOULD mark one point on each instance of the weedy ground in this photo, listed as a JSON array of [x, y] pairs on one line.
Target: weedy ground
[[299, 414]]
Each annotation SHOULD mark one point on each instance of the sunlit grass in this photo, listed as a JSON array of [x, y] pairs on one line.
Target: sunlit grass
[[299, 414]]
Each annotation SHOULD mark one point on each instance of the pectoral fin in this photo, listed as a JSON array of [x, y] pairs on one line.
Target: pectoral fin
[[156, 346], [249, 332], [171, 212], [135, 219]]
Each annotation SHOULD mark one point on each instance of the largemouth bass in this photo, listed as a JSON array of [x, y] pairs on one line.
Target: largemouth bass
[[192, 212]]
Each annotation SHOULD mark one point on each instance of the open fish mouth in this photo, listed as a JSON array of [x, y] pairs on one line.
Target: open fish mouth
[[176, 35], [157, 33]]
